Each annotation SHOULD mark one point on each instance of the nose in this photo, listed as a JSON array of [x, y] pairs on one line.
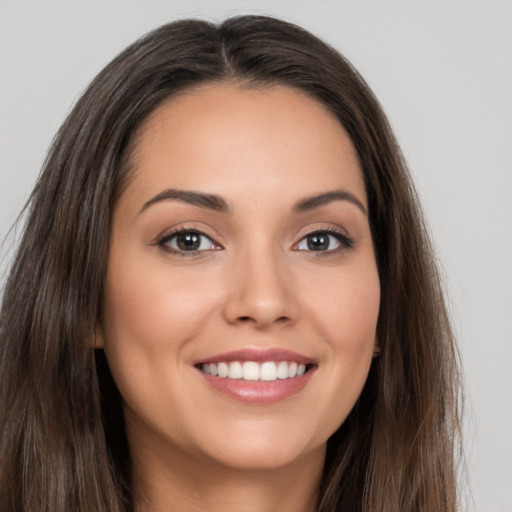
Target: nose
[[261, 292]]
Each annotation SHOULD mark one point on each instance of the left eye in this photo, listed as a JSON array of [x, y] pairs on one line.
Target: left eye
[[321, 241], [188, 241]]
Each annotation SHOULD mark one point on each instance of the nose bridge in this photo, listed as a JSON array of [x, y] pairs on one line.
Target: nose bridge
[[260, 291]]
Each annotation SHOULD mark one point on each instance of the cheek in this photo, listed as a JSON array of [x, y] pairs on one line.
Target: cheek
[[151, 313], [347, 307], [149, 305], [345, 311]]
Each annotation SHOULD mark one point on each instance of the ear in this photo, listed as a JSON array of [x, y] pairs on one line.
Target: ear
[[99, 337], [377, 350]]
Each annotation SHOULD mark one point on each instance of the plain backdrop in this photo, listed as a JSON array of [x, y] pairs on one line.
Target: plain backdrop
[[443, 72]]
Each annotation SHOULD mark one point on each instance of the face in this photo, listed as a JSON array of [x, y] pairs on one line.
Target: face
[[242, 292]]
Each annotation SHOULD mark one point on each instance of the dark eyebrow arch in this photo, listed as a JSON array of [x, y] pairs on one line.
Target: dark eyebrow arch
[[309, 203], [209, 201]]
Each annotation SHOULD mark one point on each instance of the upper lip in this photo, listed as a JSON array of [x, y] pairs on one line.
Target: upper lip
[[258, 356]]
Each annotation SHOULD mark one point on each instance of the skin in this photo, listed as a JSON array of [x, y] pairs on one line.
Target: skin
[[256, 284]]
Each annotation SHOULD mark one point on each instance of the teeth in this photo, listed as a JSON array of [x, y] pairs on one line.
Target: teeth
[[268, 371], [235, 370], [251, 371], [282, 370], [223, 369]]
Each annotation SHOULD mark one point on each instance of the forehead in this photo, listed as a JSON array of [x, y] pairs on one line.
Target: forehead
[[255, 140]]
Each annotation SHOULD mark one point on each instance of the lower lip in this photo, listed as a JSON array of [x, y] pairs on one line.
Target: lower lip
[[258, 392]]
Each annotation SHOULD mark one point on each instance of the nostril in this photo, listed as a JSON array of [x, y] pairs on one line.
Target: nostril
[[250, 319]]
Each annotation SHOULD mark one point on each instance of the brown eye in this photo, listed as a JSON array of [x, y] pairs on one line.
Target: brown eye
[[324, 241], [318, 242], [187, 241]]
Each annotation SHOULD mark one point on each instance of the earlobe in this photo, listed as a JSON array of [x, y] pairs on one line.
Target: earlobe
[[99, 337], [376, 349]]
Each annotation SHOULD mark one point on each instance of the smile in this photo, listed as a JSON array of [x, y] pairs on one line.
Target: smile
[[253, 371], [257, 376]]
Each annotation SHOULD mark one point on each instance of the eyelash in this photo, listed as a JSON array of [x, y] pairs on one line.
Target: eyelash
[[345, 242], [163, 242]]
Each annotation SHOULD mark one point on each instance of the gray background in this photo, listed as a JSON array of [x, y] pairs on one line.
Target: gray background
[[443, 72]]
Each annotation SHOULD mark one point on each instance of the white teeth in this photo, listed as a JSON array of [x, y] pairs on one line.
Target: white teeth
[[282, 370], [268, 371], [251, 371], [235, 370], [223, 370]]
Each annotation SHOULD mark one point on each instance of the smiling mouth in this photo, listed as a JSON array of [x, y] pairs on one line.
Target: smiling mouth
[[256, 376], [267, 371]]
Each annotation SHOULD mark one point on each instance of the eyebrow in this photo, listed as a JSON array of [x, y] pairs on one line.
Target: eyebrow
[[208, 201], [311, 203], [218, 204]]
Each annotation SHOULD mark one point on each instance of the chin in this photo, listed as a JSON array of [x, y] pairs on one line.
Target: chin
[[264, 446], [261, 456]]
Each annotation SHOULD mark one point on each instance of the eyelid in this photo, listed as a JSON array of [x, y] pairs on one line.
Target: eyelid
[[343, 237], [163, 239]]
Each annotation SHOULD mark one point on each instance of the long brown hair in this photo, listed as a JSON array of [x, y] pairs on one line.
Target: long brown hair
[[62, 441]]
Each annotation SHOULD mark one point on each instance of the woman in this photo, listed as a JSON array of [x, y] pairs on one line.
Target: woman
[[225, 298]]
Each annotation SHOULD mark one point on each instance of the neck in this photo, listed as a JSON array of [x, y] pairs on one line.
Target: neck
[[171, 480]]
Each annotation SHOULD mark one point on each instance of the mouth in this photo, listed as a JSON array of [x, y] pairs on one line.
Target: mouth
[[257, 376], [268, 371]]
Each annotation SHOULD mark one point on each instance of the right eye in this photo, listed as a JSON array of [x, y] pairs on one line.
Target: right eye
[[187, 241]]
